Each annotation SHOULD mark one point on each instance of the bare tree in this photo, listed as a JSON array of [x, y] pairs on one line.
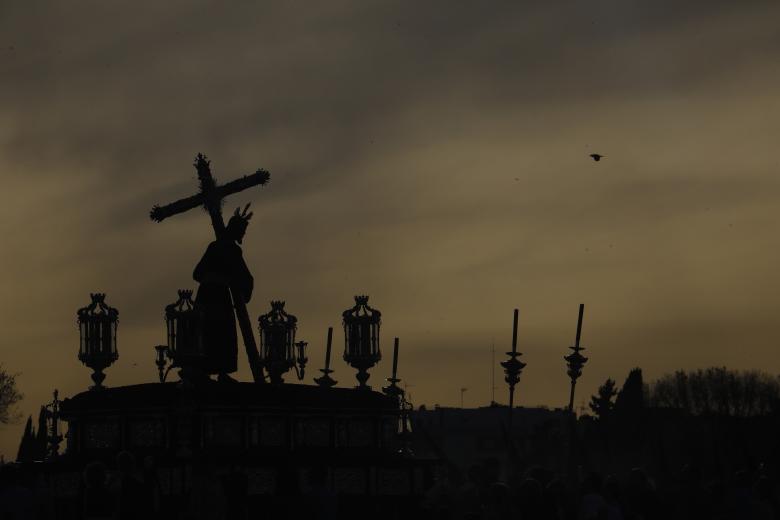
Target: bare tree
[[718, 390], [9, 396]]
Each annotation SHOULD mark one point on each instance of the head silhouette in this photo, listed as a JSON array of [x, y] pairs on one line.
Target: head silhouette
[[236, 227]]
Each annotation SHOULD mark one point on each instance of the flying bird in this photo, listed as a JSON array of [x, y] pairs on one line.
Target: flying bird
[[596, 157]]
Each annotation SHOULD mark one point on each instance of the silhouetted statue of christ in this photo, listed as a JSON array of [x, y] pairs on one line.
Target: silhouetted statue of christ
[[222, 270]]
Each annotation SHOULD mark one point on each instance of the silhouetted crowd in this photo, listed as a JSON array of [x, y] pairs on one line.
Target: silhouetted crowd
[[133, 492], [127, 493], [539, 494]]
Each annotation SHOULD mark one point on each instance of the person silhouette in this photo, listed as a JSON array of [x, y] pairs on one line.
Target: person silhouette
[[129, 490], [97, 502], [223, 276]]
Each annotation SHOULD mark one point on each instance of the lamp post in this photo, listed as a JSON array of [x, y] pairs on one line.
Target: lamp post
[[97, 330], [575, 361], [513, 367], [361, 338]]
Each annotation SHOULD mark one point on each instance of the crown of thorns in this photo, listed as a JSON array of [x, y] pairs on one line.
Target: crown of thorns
[[242, 216]]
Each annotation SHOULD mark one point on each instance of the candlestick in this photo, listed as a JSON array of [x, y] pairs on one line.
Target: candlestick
[[327, 351], [395, 358], [326, 381], [393, 389], [579, 325]]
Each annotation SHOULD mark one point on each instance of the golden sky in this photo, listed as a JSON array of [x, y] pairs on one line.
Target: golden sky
[[433, 155]]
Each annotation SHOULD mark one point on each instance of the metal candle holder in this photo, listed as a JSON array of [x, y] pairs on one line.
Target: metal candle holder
[[393, 389], [513, 367], [162, 361], [575, 361]]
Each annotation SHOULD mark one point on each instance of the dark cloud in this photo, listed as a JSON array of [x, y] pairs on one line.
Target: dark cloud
[[434, 155]]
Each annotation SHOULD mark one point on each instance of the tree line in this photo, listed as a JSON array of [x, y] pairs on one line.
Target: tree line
[[711, 391]]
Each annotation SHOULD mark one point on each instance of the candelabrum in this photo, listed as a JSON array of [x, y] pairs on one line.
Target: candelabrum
[[513, 367], [300, 359], [163, 360]]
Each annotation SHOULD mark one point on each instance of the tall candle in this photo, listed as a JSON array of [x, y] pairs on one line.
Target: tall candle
[[579, 325], [395, 358], [327, 351]]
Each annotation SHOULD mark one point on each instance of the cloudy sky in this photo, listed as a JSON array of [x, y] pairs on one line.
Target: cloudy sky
[[433, 155]]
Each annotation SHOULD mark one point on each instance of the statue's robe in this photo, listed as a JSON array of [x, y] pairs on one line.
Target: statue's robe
[[220, 272]]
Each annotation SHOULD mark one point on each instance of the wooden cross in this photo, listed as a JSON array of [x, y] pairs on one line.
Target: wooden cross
[[210, 198]]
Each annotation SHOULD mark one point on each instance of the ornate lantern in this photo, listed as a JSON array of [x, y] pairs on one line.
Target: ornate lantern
[[185, 342], [361, 338], [575, 361], [279, 351], [97, 329]]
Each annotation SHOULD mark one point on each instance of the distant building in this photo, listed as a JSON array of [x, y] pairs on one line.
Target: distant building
[[468, 436]]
